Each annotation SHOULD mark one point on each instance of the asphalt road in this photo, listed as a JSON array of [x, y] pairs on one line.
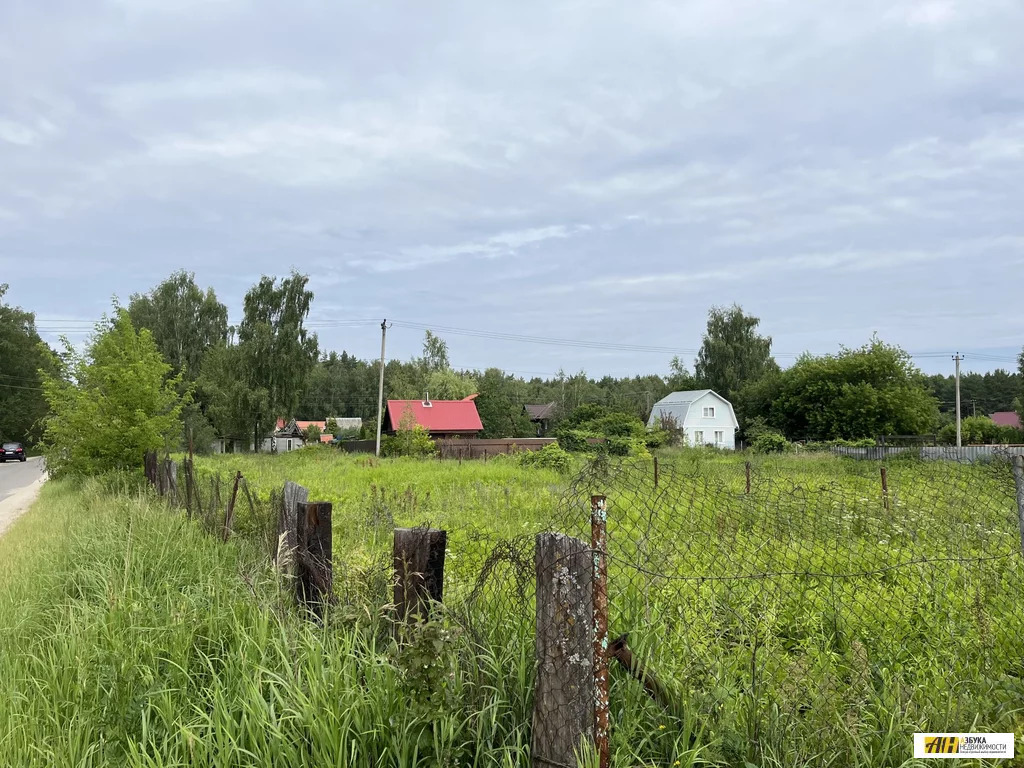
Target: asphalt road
[[14, 475]]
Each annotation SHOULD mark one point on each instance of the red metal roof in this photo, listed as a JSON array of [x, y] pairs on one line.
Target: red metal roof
[[439, 416], [1006, 419]]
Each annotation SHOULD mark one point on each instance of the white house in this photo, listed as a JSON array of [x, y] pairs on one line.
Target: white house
[[703, 416]]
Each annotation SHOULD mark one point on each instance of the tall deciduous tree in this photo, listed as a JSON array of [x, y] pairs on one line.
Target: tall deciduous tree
[[252, 384], [184, 321], [866, 392], [22, 355], [111, 404], [733, 353]]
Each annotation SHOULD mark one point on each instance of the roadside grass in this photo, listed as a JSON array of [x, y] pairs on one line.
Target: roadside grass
[[131, 637]]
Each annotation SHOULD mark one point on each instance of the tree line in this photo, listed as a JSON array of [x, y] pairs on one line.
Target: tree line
[[217, 379]]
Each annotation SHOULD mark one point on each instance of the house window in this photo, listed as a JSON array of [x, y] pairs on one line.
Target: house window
[[709, 412], [698, 437], [719, 438]]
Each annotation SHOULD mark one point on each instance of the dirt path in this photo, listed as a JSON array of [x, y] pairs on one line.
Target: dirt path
[[16, 503]]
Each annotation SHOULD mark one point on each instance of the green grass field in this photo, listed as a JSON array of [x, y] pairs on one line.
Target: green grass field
[[804, 624]]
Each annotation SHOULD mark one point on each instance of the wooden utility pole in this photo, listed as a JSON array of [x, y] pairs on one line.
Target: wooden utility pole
[[380, 389]]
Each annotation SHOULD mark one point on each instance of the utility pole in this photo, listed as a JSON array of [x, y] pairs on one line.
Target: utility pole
[[958, 358], [380, 391]]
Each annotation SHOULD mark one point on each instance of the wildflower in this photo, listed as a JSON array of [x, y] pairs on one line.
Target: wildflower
[[661, 727]]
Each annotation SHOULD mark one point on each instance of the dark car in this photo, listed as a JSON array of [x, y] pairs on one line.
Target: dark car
[[12, 452]]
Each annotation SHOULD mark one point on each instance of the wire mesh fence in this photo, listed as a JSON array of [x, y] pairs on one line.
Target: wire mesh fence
[[731, 614]]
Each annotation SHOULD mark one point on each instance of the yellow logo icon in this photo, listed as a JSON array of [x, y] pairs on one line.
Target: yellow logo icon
[[941, 745]]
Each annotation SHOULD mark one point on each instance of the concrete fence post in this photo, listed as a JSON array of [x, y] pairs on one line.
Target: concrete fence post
[[288, 528]]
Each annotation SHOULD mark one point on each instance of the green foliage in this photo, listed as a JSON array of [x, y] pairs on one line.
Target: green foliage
[[331, 427], [197, 431], [733, 353], [185, 322], [312, 434], [858, 393], [449, 385], [770, 441], [251, 384], [22, 355], [500, 406], [110, 405], [551, 456], [620, 434], [410, 440], [980, 430]]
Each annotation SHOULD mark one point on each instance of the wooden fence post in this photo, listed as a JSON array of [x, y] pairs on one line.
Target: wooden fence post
[[748, 478], [189, 487], [1018, 479], [563, 700], [885, 488], [288, 527], [229, 513], [419, 570], [172, 480], [315, 551], [655, 471], [150, 467]]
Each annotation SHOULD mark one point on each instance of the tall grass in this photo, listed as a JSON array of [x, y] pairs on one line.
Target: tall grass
[[129, 636]]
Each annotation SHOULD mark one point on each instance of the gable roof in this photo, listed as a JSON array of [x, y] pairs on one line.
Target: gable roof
[[439, 416], [1006, 419], [540, 412], [676, 405]]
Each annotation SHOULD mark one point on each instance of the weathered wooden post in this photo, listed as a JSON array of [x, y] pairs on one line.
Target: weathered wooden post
[[172, 480], [655, 471], [748, 478], [189, 487], [288, 527], [885, 489], [419, 570], [229, 513], [563, 700], [315, 552], [599, 545], [1018, 479], [150, 467]]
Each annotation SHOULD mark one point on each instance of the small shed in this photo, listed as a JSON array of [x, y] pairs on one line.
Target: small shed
[[541, 415]]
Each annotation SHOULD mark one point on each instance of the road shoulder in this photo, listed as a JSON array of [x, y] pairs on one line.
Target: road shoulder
[[18, 503]]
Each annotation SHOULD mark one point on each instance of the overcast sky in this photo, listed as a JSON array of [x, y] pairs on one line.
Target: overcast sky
[[574, 170]]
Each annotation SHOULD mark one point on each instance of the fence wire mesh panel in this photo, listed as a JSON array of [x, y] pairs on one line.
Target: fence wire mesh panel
[[780, 613], [809, 619]]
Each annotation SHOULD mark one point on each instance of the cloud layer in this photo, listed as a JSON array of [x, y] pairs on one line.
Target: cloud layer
[[593, 170]]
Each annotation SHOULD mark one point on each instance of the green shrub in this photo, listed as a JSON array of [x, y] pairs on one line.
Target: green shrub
[[414, 442], [550, 456], [770, 442]]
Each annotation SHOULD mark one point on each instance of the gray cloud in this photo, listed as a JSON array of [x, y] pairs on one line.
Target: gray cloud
[[594, 170]]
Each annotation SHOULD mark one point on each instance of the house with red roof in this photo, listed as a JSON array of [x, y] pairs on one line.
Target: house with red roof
[[1006, 419], [441, 418]]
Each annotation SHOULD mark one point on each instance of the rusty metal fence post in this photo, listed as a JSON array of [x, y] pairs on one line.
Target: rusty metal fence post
[[599, 545]]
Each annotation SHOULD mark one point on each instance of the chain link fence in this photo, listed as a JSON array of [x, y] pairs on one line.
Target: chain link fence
[[728, 614]]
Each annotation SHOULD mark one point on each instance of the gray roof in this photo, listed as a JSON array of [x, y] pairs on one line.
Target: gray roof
[[540, 412], [675, 405]]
